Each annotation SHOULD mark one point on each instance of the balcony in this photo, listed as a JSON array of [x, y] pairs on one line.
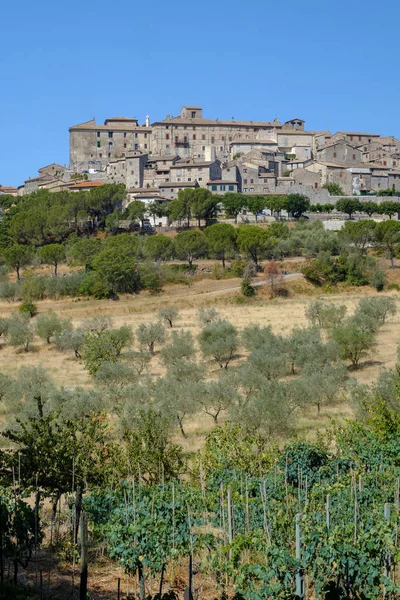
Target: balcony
[[184, 141]]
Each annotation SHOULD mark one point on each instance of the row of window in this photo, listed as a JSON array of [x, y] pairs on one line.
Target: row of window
[[222, 188], [110, 134]]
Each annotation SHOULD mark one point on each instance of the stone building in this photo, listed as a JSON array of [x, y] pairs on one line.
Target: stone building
[[339, 151], [90, 141], [128, 169], [195, 170]]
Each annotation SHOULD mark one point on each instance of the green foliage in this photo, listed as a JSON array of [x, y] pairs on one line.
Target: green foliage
[[169, 314], [221, 239], [255, 241], [151, 277], [105, 346], [27, 308], [334, 189], [387, 238], [353, 340], [233, 204], [52, 254], [158, 247], [219, 340], [149, 335], [378, 308], [84, 251], [70, 340], [247, 289], [348, 206], [20, 331], [18, 256], [207, 315], [49, 325], [297, 204], [117, 268], [325, 315], [190, 245]]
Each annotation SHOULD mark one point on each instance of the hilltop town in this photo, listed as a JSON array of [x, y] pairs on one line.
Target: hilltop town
[[156, 160]]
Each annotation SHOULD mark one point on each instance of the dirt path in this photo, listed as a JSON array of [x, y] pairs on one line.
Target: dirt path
[[256, 284]]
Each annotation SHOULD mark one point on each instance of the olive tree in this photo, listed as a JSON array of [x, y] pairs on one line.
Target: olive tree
[[181, 346], [219, 340], [20, 332], [354, 341], [378, 307], [49, 324], [70, 339], [207, 315], [324, 314], [169, 314], [149, 335]]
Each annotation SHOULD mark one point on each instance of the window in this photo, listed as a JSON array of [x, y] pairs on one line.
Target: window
[[351, 138], [136, 147], [193, 114], [264, 189], [245, 189], [124, 133], [384, 163], [252, 189], [354, 157], [203, 137], [189, 179], [167, 136], [110, 134], [99, 144], [222, 188], [231, 188], [251, 180], [124, 145], [203, 148], [212, 139], [244, 180], [123, 153], [214, 188], [244, 170], [185, 127], [110, 145], [176, 139], [145, 135], [100, 155], [361, 176], [194, 136], [185, 140], [98, 134], [145, 145], [315, 185], [135, 135], [394, 163], [223, 138], [109, 154], [341, 175], [334, 155], [359, 138], [200, 179], [221, 148], [230, 138]]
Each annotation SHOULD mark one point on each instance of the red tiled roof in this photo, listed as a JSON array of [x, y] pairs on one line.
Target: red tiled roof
[[85, 184]]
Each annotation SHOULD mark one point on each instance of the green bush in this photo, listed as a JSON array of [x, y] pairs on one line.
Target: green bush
[[247, 289], [28, 308], [237, 267]]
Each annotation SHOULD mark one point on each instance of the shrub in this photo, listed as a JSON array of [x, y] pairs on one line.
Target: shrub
[[151, 278], [28, 308], [150, 335], [70, 340], [378, 280], [237, 267], [247, 289], [10, 291]]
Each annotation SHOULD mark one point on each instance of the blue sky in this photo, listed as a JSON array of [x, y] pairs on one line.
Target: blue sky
[[333, 64]]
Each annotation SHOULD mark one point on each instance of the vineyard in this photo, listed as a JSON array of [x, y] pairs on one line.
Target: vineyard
[[308, 521]]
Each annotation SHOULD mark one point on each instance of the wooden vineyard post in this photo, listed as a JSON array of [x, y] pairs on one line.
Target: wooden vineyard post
[[84, 558], [388, 557], [299, 573], [328, 511], [230, 520]]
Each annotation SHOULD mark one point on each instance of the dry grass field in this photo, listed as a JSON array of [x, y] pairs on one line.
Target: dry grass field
[[283, 314]]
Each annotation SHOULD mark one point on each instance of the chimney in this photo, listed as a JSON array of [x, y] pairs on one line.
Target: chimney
[[147, 121]]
